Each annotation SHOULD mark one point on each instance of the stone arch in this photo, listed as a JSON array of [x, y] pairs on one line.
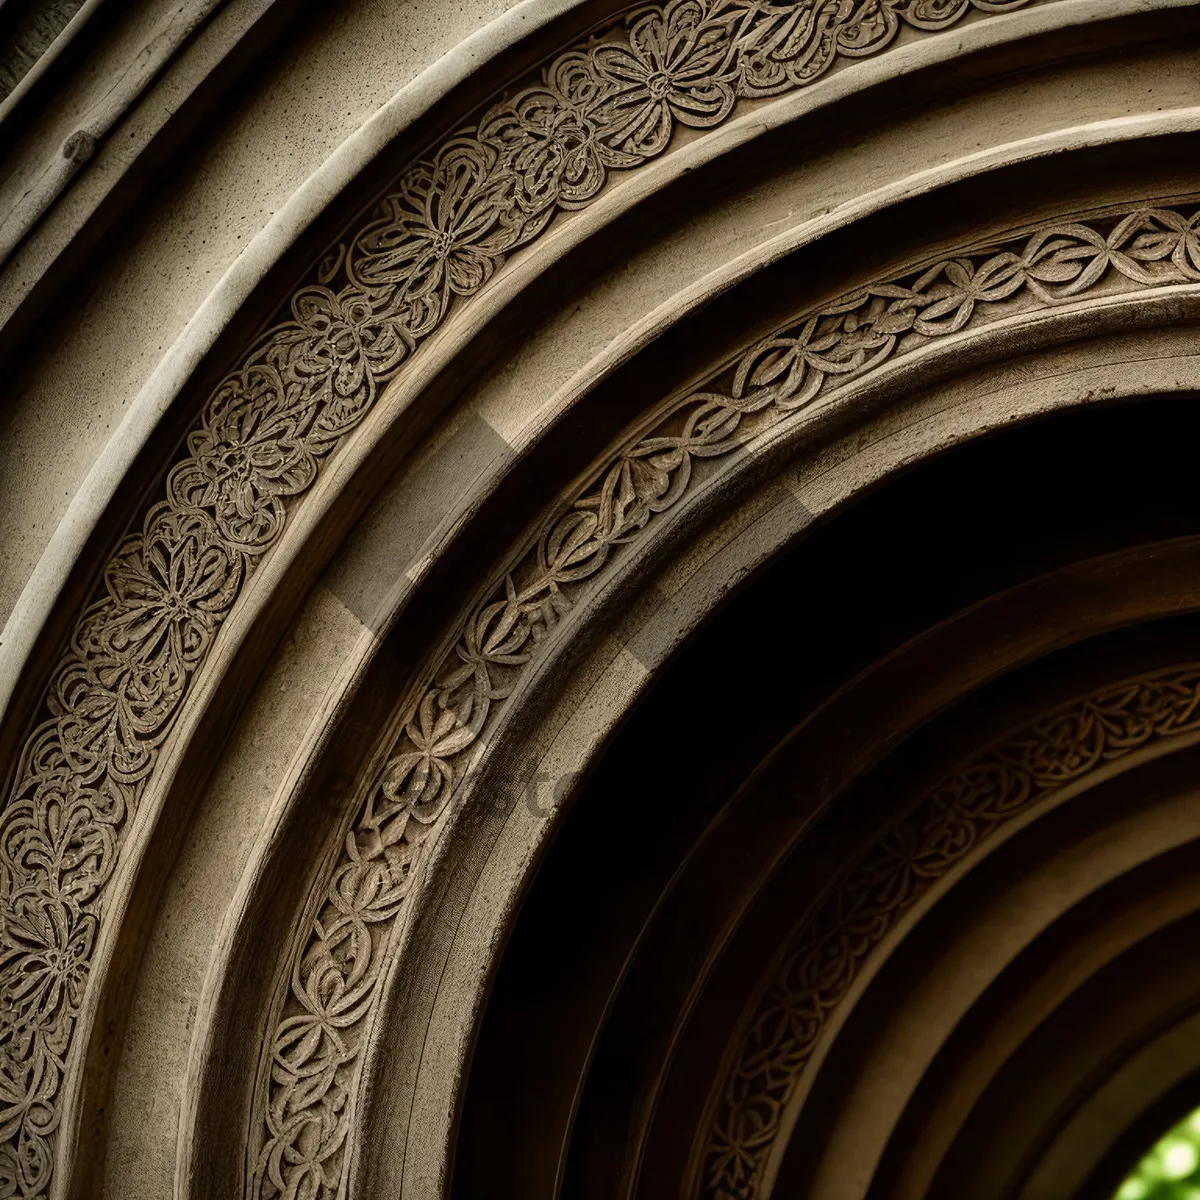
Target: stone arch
[[320, 475]]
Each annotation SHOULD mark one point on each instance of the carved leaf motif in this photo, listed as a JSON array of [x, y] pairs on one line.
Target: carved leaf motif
[[341, 347], [679, 64], [250, 453]]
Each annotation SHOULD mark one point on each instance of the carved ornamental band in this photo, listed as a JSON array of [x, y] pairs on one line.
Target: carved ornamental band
[[830, 949], [259, 443], [335, 979]]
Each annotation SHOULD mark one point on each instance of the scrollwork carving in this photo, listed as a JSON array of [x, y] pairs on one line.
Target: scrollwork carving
[[317, 1041], [828, 951], [259, 443]]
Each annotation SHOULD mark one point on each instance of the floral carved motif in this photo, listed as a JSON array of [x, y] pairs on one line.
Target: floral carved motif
[[260, 442], [826, 953], [335, 979]]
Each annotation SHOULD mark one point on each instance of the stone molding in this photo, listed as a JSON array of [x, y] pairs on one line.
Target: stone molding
[[40, 176], [827, 952], [335, 978], [264, 434]]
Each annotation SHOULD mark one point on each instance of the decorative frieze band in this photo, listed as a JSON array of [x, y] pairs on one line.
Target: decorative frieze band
[[259, 443], [830, 949], [335, 978]]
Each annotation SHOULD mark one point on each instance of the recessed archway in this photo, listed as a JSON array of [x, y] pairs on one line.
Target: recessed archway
[[641, 963], [654, 478]]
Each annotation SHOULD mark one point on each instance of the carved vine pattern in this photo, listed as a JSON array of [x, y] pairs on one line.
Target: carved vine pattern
[[336, 977], [827, 952], [260, 442]]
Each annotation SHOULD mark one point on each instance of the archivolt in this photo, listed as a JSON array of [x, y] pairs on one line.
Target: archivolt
[[336, 974], [611, 104], [821, 964], [264, 436]]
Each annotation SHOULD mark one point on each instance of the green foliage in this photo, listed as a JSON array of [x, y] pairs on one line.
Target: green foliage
[[1170, 1170]]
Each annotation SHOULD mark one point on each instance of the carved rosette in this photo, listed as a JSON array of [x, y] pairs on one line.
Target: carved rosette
[[260, 441]]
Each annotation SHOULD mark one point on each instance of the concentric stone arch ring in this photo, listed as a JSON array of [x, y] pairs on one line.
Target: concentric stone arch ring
[[593, 387]]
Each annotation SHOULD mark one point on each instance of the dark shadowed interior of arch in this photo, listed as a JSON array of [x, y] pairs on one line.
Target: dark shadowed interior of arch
[[691, 853]]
